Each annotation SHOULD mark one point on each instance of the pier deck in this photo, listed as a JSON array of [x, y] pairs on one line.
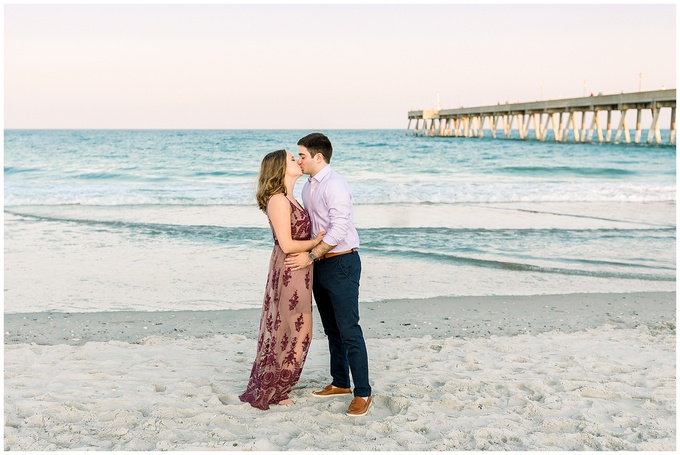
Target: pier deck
[[555, 119]]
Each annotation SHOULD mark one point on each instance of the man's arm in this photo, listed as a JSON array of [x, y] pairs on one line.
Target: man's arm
[[297, 261], [339, 201], [321, 249]]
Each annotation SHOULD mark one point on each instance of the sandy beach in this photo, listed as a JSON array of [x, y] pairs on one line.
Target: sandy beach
[[517, 224], [547, 372]]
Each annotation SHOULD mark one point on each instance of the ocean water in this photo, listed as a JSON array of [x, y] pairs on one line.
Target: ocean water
[[166, 220]]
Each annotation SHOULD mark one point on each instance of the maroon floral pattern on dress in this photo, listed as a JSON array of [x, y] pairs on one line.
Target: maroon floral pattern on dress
[[286, 319], [298, 323], [292, 303]]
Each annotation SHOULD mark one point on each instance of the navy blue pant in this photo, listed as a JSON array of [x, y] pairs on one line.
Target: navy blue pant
[[336, 292]]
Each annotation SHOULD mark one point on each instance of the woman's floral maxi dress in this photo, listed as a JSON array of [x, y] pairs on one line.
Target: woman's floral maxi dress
[[285, 325]]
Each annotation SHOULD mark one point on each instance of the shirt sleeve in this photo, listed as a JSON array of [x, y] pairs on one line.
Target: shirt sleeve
[[339, 200]]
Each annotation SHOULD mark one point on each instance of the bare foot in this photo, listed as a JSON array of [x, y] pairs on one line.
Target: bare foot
[[286, 402]]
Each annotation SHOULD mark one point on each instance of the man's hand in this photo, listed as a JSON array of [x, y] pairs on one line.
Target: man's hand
[[297, 261]]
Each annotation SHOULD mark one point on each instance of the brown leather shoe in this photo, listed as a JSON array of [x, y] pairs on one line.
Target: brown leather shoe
[[359, 406], [331, 390]]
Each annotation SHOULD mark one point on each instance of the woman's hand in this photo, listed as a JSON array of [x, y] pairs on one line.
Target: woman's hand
[[297, 261], [319, 237]]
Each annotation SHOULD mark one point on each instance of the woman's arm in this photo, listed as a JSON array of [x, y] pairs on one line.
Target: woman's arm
[[278, 211]]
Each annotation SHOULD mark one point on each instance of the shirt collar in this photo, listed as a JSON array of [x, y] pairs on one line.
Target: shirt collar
[[321, 174]]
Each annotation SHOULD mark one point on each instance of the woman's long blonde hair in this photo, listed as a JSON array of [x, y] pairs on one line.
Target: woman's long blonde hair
[[271, 178]]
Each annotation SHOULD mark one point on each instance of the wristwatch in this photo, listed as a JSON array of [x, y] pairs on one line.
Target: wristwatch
[[312, 256]]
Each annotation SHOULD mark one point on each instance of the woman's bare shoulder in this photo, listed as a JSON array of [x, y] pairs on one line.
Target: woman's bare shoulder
[[278, 202]]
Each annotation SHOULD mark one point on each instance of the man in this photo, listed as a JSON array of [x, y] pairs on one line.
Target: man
[[337, 270]]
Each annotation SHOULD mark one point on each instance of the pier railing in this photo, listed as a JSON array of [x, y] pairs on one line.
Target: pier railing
[[576, 118]]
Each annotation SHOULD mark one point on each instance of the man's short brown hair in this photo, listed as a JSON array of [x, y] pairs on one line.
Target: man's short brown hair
[[317, 143]]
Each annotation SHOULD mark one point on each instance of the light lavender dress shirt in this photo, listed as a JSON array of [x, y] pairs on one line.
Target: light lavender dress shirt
[[328, 200]]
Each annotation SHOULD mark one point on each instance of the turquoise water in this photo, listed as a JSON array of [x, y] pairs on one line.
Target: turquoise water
[[219, 167], [481, 216]]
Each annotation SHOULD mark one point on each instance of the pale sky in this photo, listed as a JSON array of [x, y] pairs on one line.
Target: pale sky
[[317, 66]]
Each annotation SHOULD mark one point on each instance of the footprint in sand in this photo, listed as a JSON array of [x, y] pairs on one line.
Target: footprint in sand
[[396, 405]]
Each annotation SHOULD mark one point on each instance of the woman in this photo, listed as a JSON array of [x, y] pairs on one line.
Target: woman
[[286, 322]]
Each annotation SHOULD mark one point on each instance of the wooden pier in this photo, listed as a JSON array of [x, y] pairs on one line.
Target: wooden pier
[[578, 119]]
